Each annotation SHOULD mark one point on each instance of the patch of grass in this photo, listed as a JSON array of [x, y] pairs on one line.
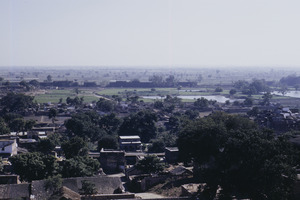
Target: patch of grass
[[54, 96]]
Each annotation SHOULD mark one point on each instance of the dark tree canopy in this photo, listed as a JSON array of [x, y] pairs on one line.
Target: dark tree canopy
[[108, 142], [16, 103], [34, 166], [291, 80], [105, 105], [75, 147], [4, 129], [141, 123], [85, 125], [230, 151], [150, 164], [88, 188], [79, 166]]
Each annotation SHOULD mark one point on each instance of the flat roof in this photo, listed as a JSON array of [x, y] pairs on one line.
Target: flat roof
[[138, 142], [130, 137]]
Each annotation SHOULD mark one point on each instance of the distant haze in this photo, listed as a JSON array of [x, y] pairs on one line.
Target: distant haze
[[150, 33]]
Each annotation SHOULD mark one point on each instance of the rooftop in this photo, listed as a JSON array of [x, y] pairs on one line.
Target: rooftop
[[130, 137]]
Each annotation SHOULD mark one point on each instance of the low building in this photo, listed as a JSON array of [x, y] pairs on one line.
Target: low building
[[8, 148], [130, 143], [171, 154], [112, 161], [191, 189]]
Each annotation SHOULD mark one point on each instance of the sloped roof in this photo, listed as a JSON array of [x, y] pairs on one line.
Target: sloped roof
[[103, 184], [14, 191], [5, 143], [180, 170], [66, 193]]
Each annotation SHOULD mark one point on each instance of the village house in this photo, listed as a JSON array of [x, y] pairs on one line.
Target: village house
[[130, 143], [8, 148], [112, 161]]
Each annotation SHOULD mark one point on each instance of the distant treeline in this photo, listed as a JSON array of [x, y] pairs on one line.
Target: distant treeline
[[138, 84], [290, 80], [133, 84], [67, 84]]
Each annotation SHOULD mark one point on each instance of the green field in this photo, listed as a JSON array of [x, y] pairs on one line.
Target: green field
[[54, 96], [91, 95]]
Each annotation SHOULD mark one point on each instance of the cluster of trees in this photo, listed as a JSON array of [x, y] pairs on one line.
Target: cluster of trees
[[291, 80], [255, 87], [230, 151], [39, 164], [14, 122], [202, 103], [158, 81], [17, 103], [141, 123], [76, 101]]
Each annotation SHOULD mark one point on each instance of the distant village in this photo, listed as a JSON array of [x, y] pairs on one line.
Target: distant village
[[121, 147]]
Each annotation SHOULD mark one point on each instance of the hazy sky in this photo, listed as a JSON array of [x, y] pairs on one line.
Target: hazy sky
[[149, 32]]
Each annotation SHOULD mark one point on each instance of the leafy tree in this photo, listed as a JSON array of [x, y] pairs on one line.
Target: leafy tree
[[219, 89], [33, 166], [156, 80], [75, 147], [150, 164], [108, 142], [240, 84], [88, 188], [266, 98], [177, 122], [34, 83], [3, 127], [49, 78], [16, 103], [170, 81], [29, 124], [79, 166], [85, 125], [232, 92], [117, 98], [25, 85], [17, 124], [172, 100], [283, 89], [141, 123], [53, 183], [191, 114], [46, 146], [157, 146], [201, 103], [133, 99], [110, 123], [231, 152], [75, 102], [105, 105], [52, 114]]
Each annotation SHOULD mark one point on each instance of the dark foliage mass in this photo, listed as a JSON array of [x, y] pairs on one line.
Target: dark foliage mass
[[34, 166], [291, 80], [141, 123], [17, 103], [231, 152]]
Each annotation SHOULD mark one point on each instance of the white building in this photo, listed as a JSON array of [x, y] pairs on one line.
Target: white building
[[8, 148]]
